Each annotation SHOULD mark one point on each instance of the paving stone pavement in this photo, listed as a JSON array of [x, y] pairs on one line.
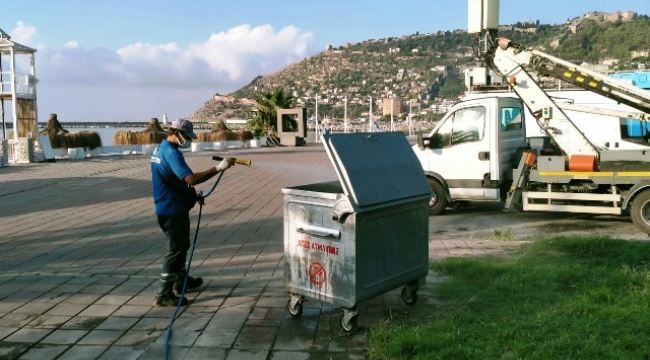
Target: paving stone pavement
[[80, 254]]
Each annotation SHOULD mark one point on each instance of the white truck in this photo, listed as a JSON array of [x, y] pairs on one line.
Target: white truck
[[479, 150]]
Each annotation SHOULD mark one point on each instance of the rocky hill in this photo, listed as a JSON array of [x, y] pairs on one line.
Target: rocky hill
[[423, 69], [223, 107]]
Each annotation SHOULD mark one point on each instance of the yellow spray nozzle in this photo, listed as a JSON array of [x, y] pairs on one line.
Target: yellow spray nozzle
[[246, 162]]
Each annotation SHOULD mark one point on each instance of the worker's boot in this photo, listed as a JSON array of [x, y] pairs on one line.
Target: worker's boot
[[192, 282], [165, 296]]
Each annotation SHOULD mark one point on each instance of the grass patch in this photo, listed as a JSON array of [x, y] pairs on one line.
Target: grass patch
[[561, 298]]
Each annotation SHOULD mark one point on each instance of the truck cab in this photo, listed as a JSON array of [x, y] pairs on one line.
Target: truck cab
[[470, 154]]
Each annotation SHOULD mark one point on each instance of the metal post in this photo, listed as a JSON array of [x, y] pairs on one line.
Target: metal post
[[345, 113], [316, 115], [2, 113], [32, 70], [410, 124], [2, 104], [370, 116], [12, 66]]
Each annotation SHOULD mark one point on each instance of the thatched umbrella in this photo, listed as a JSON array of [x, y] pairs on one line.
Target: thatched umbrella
[[153, 134], [53, 126], [220, 132], [154, 125], [62, 138]]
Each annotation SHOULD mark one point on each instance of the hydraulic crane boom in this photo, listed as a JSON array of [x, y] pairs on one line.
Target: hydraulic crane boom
[[614, 89], [510, 61]]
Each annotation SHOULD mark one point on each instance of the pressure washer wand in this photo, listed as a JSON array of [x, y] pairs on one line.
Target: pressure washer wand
[[246, 162]]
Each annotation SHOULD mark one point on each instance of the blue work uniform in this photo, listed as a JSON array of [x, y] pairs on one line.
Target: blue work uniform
[[172, 213], [170, 162]]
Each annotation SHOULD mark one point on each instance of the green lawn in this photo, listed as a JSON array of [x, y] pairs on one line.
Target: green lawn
[[562, 298]]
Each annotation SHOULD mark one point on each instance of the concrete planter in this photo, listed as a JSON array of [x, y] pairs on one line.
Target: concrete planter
[[148, 149], [230, 144], [4, 152], [24, 150], [198, 146], [255, 143], [76, 153]]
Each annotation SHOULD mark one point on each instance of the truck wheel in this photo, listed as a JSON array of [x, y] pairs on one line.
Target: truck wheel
[[438, 202], [640, 211]]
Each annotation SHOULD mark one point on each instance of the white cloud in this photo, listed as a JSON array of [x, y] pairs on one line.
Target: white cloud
[[149, 72], [71, 44], [22, 34], [224, 61], [243, 48]]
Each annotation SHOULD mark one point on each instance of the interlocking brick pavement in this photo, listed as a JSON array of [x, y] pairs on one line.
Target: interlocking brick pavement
[[80, 254]]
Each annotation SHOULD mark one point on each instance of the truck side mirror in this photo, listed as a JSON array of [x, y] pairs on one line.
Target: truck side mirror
[[434, 142], [437, 141], [421, 142]]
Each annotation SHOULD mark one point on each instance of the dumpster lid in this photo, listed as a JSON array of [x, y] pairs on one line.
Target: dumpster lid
[[375, 168]]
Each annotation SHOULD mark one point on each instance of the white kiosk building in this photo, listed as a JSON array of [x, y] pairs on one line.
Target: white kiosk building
[[18, 98]]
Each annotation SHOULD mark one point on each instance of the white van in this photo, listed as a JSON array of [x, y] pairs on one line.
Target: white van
[[470, 155]]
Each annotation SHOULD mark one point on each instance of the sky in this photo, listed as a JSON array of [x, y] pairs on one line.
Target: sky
[[131, 60]]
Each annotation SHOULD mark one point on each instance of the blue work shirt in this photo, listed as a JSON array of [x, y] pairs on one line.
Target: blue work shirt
[[171, 163]]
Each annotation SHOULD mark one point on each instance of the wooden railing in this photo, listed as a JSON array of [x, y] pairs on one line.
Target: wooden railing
[[25, 84]]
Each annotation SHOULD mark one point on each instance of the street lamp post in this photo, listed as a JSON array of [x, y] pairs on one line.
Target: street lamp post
[[410, 124], [370, 116], [316, 115], [345, 113]]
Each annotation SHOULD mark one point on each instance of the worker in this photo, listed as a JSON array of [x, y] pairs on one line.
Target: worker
[[173, 182]]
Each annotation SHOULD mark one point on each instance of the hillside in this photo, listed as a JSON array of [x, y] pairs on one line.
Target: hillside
[[223, 107], [425, 68]]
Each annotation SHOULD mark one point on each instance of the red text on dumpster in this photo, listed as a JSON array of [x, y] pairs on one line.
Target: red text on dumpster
[[317, 274], [306, 244]]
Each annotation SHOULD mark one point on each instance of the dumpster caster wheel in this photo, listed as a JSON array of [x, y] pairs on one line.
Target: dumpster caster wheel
[[410, 297], [348, 325], [295, 310]]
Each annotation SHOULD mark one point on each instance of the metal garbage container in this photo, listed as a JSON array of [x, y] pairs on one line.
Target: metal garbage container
[[350, 240]]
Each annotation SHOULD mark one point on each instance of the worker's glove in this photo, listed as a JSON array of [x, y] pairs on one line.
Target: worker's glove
[[225, 164]]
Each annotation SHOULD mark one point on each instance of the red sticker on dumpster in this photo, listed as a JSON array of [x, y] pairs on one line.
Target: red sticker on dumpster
[[317, 273]]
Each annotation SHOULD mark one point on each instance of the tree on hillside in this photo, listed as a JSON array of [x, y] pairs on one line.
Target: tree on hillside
[[268, 103]]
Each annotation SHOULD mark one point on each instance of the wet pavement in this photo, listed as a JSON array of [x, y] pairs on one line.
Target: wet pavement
[[80, 255], [81, 252]]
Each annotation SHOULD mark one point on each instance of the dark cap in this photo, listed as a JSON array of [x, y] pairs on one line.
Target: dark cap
[[185, 126]]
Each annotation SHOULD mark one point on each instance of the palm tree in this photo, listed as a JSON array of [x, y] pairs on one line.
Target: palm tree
[[268, 103]]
